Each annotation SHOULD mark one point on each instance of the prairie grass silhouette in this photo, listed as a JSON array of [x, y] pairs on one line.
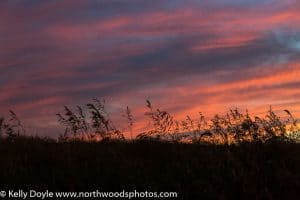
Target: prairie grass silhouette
[[93, 121], [235, 156]]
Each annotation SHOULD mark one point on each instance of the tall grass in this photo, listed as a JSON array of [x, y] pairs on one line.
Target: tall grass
[[233, 127], [265, 168], [93, 122], [129, 117], [89, 122], [12, 126]]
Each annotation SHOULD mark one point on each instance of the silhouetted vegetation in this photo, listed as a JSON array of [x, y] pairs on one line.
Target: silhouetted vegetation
[[234, 156], [253, 170], [92, 122], [11, 127], [233, 127], [100, 126]]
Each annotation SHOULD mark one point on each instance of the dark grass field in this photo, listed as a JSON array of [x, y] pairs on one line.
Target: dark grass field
[[195, 171]]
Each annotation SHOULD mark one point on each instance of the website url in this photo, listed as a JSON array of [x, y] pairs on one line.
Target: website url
[[90, 194]]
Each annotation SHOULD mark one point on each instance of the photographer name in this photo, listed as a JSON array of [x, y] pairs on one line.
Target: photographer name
[[30, 194]]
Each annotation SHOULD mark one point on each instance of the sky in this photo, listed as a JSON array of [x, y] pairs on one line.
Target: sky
[[184, 56]]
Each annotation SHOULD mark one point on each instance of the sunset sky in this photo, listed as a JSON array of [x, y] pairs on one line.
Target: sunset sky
[[185, 56]]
